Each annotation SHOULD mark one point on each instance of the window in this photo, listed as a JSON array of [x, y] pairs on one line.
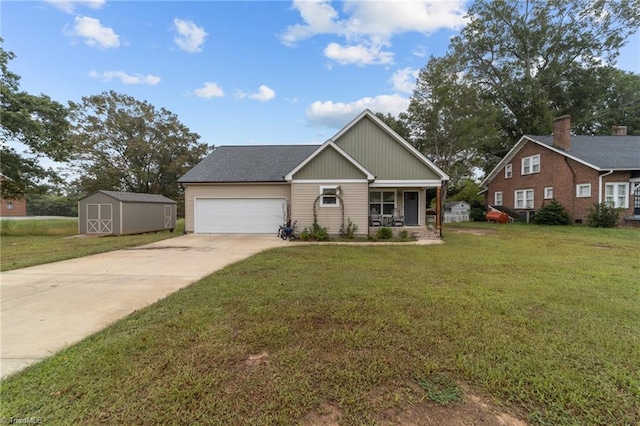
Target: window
[[328, 196], [531, 164], [617, 195], [9, 205], [583, 190], [508, 171], [498, 198], [548, 193], [524, 199], [382, 202]]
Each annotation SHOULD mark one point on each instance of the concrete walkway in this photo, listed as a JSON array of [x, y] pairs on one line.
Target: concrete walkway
[[48, 307]]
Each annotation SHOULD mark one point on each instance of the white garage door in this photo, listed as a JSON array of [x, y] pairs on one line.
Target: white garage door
[[239, 215]]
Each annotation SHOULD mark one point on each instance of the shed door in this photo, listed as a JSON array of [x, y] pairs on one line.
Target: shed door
[[99, 219], [168, 217], [239, 215]]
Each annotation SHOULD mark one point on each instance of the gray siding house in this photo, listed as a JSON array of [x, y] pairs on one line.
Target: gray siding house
[[366, 170], [122, 213]]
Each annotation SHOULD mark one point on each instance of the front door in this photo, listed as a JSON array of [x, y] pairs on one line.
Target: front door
[[636, 200], [411, 208]]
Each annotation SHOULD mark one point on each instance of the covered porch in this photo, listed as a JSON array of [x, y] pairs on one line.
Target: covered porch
[[406, 208]]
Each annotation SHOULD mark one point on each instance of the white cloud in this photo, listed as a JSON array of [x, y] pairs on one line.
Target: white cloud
[[404, 80], [336, 115], [190, 37], [94, 34], [370, 25], [357, 54], [209, 90], [264, 94], [150, 80], [69, 6]]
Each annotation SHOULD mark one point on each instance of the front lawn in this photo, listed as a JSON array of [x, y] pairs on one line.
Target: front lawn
[[544, 321], [34, 242]]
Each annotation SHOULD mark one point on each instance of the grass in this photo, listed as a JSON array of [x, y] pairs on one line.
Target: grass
[[544, 320], [33, 242]]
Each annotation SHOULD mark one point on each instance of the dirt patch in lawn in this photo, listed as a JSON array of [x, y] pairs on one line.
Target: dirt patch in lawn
[[473, 231], [413, 409]]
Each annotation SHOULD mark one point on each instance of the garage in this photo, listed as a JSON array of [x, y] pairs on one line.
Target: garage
[[239, 215]]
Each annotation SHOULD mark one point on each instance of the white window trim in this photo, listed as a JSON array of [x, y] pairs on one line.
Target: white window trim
[[322, 188], [526, 206], [531, 171], [495, 198], [581, 185], [616, 195], [508, 171], [546, 191]]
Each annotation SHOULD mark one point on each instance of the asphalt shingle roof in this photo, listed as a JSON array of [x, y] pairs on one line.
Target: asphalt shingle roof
[[134, 197], [604, 152], [258, 163]]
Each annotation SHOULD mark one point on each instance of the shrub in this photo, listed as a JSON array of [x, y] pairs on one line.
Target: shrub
[[305, 235], [477, 214], [403, 234], [603, 215], [552, 213], [318, 232], [350, 231], [384, 233]]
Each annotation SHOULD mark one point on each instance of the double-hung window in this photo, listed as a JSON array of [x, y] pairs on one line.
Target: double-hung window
[[382, 202], [617, 195], [583, 190], [498, 198], [531, 164], [548, 193], [524, 199], [328, 196], [508, 171]]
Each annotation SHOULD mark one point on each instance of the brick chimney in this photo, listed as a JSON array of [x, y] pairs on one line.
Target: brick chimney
[[562, 132], [619, 130]]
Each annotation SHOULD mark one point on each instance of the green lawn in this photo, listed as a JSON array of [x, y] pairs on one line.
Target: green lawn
[[33, 242], [545, 321]]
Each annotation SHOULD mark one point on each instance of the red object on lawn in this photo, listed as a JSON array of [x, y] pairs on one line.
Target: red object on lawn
[[497, 216]]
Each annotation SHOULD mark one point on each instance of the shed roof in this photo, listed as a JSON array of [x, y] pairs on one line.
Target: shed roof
[[134, 197], [249, 163]]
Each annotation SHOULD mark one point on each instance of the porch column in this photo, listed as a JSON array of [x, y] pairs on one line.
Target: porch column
[[438, 207]]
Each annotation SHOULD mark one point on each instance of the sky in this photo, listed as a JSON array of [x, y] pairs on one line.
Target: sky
[[238, 72]]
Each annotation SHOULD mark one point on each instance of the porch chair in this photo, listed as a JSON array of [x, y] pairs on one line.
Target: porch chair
[[398, 219], [375, 218]]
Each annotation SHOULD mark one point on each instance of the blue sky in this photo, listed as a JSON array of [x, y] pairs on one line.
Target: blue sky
[[238, 72]]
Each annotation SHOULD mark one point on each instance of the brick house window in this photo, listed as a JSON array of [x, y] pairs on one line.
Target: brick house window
[[328, 196], [548, 193], [508, 171], [498, 198], [531, 164], [524, 199], [583, 190], [9, 205], [617, 194]]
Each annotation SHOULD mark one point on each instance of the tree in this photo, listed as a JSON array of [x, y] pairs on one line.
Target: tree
[[398, 125], [38, 122], [124, 144], [535, 59], [450, 122]]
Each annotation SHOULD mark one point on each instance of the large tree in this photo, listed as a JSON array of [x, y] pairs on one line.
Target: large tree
[[539, 59], [37, 122], [124, 144], [450, 122]]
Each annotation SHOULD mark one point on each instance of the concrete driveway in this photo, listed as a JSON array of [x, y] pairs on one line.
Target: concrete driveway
[[48, 307]]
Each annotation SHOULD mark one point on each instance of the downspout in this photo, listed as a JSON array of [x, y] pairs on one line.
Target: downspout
[[600, 185]]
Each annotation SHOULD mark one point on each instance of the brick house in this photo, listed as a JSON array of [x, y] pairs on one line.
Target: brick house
[[12, 207], [577, 171]]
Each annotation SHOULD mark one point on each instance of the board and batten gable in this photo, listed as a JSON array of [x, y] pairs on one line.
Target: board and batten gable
[[381, 154], [355, 199], [230, 190], [329, 164]]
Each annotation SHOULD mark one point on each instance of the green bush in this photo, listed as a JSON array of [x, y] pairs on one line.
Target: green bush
[[403, 234], [318, 233], [603, 215], [350, 231], [477, 214], [552, 213], [305, 235], [384, 233]]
